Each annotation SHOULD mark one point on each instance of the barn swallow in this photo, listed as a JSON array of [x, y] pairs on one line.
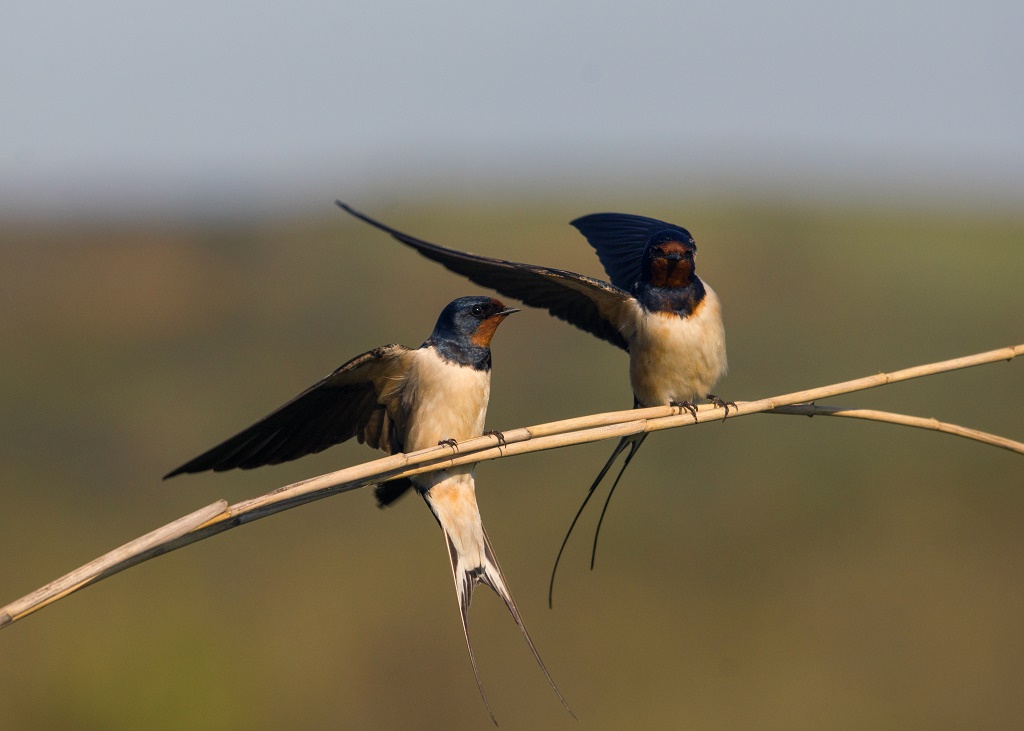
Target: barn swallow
[[655, 307], [399, 399]]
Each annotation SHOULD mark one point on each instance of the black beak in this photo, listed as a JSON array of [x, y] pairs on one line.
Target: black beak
[[509, 311]]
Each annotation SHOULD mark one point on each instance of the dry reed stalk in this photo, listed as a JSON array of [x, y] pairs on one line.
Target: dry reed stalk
[[219, 517]]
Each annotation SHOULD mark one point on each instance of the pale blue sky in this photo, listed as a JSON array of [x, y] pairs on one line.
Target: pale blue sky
[[236, 104]]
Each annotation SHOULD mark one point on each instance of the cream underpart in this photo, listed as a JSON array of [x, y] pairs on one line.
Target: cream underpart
[[443, 401], [448, 401], [674, 358]]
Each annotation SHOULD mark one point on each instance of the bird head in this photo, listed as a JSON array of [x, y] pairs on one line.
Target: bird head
[[668, 259], [471, 320]]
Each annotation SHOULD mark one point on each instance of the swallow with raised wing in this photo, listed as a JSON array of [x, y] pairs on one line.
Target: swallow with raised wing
[[400, 399], [655, 307]]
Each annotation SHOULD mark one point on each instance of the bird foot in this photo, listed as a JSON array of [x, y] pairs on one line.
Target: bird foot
[[499, 435], [715, 401], [453, 443], [685, 406]]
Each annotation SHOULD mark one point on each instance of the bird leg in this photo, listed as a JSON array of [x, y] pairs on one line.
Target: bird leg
[[715, 401], [685, 406], [499, 435], [453, 443]]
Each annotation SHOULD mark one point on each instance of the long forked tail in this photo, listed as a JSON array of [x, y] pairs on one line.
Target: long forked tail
[[633, 441], [468, 574]]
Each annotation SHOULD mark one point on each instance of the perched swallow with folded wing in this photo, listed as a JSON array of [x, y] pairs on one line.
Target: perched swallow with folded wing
[[400, 399], [655, 307]]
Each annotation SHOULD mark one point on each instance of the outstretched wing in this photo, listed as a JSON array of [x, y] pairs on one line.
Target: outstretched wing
[[620, 240], [590, 304], [360, 399]]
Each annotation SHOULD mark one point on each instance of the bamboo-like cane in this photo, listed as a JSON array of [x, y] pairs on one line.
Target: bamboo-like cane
[[112, 562], [902, 420], [218, 518]]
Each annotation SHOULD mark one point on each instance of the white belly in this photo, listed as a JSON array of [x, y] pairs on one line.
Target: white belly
[[443, 401], [677, 359]]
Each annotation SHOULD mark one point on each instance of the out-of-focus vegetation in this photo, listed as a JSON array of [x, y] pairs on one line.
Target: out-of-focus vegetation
[[769, 572]]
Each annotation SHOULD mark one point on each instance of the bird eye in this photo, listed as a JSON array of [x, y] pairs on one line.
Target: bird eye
[[477, 310]]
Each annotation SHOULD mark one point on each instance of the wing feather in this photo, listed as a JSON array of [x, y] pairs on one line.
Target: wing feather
[[360, 399], [592, 305], [620, 239]]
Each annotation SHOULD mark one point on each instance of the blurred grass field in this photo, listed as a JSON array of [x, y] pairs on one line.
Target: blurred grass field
[[769, 572]]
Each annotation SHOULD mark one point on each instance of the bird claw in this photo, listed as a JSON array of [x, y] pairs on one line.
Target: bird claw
[[453, 443], [685, 406], [500, 436], [715, 401]]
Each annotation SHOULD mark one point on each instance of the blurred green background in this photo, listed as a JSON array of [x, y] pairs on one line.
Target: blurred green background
[[768, 572]]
